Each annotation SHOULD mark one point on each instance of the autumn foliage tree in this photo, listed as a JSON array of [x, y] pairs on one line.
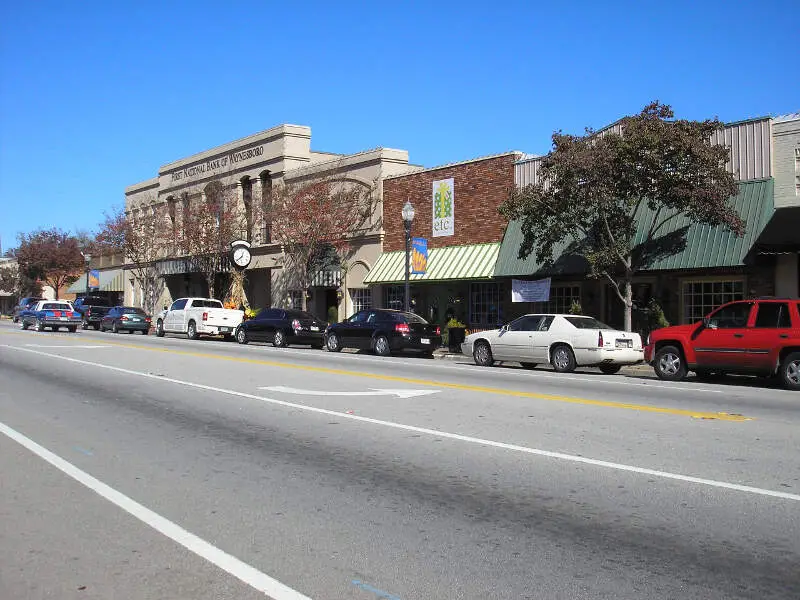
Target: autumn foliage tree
[[309, 218], [51, 256], [593, 189]]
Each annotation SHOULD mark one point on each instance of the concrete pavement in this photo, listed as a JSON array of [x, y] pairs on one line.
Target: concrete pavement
[[476, 489]]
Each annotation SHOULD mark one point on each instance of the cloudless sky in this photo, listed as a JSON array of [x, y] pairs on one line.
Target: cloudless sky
[[95, 96]]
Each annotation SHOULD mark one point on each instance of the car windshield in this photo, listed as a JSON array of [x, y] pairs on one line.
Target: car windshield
[[206, 304], [586, 323], [56, 306], [132, 310], [408, 317], [299, 314]]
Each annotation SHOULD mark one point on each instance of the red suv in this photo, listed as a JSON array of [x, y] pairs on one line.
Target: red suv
[[749, 337]]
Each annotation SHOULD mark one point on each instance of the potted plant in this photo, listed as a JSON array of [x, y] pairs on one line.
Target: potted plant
[[456, 332]]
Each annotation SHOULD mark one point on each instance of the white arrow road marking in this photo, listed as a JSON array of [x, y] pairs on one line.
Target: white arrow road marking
[[372, 392]]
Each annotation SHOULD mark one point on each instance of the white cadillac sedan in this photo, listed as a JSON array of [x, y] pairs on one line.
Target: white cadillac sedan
[[564, 341]]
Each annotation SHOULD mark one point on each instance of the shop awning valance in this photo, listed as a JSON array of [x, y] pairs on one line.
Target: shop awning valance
[[687, 245], [474, 261], [110, 281]]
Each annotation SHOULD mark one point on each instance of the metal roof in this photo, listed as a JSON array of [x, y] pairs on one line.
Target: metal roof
[[474, 261], [705, 246]]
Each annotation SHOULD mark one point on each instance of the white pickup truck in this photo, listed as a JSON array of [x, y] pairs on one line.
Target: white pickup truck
[[198, 316]]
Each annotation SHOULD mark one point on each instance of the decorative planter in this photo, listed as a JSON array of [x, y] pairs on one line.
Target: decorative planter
[[456, 337]]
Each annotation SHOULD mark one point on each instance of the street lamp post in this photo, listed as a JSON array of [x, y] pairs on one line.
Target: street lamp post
[[408, 216], [87, 259]]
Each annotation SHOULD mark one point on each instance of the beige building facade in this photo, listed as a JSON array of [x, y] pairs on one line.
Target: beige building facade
[[250, 170]]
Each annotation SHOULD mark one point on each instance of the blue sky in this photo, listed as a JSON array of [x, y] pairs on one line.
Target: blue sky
[[95, 96]]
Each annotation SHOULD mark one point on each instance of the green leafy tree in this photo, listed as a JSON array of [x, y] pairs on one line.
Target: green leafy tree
[[51, 256], [592, 189]]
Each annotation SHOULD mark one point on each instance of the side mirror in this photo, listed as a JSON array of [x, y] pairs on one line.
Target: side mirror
[[503, 328]]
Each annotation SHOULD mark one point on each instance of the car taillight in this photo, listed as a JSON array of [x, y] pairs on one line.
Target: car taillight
[[600, 339], [205, 316], [147, 319], [648, 339], [56, 313], [124, 318], [296, 325], [438, 330], [402, 328]]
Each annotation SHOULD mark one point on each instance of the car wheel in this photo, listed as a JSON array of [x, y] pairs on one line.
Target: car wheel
[[191, 331], [15, 319], [159, 328], [332, 344], [72, 329], [241, 335], [96, 326], [790, 371], [527, 365], [669, 364], [381, 346], [114, 328], [482, 354], [23, 325], [610, 369], [37, 326], [85, 325], [279, 339], [563, 359]]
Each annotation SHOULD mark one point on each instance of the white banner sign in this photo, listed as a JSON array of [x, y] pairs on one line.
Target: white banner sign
[[530, 291], [444, 203]]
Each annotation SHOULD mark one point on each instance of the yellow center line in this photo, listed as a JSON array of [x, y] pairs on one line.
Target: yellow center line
[[719, 416]]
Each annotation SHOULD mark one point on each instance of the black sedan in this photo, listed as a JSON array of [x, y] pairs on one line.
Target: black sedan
[[384, 331], [126, 318], [282, 327]]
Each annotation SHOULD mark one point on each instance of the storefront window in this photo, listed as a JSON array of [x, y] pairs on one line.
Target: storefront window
[[701, 297], [296, 299], [395, 297], [561, 299], [361, 298], [484, 304]]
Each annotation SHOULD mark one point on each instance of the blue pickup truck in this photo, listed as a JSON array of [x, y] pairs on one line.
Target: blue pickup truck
[[54, 314]]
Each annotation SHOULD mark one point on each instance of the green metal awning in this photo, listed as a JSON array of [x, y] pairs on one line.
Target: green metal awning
[[110, 281], [475, 261], [696, 246]]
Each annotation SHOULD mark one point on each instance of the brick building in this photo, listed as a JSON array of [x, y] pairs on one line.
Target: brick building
[[463, 242]]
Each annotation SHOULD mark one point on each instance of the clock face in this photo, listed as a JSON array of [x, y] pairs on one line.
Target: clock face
[[241, 256]]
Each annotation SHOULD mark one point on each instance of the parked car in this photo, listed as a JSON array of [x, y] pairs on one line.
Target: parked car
[[384, 331], [564, 341], [126, 318], [24, 304], [282, 327], [54, 314], [92, 309], [198, 316], [748, 337]]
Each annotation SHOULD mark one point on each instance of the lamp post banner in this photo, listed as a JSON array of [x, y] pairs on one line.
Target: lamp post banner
[[530, 291], [94, 279], [444, 208], [419, 256]]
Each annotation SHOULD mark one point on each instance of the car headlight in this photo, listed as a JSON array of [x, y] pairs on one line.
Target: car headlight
[[648, 339]]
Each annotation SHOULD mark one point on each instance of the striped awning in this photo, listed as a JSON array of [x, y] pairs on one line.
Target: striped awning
[[110, 281], [475, 261]]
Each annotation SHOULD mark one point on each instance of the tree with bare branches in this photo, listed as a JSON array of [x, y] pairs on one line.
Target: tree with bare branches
[[210, 224], [310, 217], [141, 239]]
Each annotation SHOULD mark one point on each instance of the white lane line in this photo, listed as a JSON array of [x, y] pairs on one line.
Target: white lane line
[[372, 392], [241, 570], [64, 346], [437, 433]]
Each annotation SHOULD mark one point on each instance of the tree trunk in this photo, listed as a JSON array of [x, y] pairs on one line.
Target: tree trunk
[[210, 282], [628, 287]]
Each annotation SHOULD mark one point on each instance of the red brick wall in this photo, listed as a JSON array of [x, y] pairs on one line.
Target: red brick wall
[[479, 188]]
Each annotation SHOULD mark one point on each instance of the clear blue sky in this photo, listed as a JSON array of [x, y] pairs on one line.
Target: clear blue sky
[[95, 96]]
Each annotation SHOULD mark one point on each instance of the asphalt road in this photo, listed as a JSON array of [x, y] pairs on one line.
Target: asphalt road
[[141, 467]]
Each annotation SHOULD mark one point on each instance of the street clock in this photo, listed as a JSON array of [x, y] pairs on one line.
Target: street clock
[[240, 253]]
